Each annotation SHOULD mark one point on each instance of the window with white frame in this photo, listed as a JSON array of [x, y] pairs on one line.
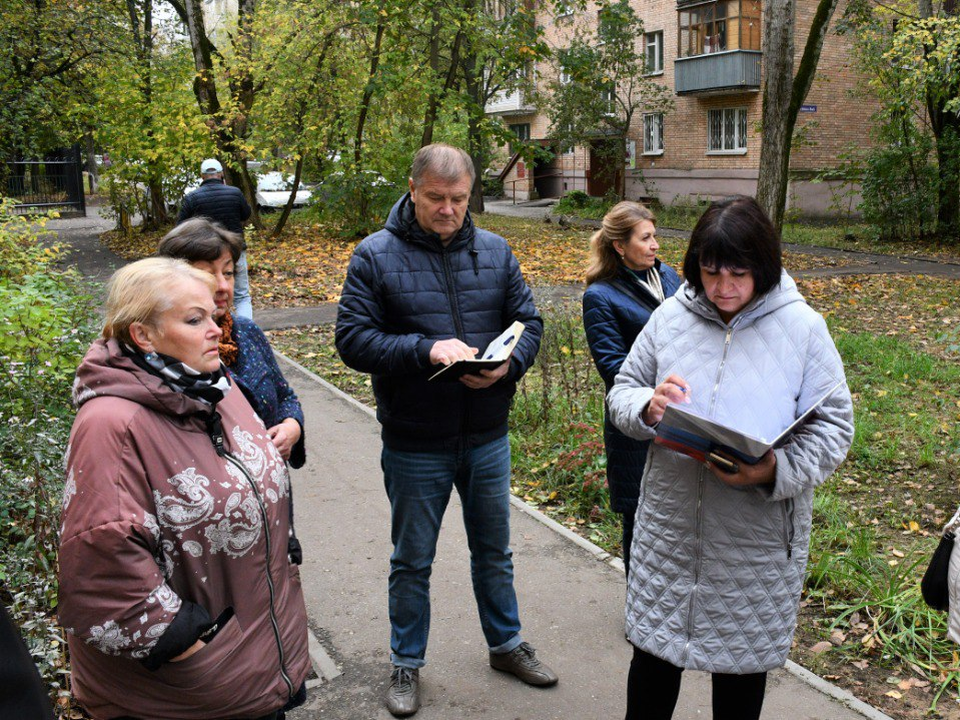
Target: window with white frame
[[564, 9], [500, 9], [609, 97], [727, 130], [653, 134], [605, 20], [522, 131], [654, 48]]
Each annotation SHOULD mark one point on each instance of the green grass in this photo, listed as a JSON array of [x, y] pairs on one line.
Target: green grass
[[905, 399], [859, 237], [885, 613], [679, 216], [836, 534], [313, 348], [556, 434]]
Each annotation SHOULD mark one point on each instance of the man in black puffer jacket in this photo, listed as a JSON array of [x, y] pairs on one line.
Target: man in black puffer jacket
[[225, 204], [428, 290]]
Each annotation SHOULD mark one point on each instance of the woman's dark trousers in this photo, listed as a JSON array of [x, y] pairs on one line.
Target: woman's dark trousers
[[653, 687]]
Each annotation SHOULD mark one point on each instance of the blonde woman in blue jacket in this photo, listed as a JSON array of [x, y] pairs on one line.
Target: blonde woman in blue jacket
[[718, 558], [626, 282]]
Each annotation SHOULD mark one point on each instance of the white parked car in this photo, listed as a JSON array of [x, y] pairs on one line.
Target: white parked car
[[273, 191]]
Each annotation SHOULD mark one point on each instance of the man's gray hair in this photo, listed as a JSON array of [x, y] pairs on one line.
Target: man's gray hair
[[444, 161]]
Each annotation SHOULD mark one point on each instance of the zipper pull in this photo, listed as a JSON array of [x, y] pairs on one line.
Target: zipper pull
[[215, 431]]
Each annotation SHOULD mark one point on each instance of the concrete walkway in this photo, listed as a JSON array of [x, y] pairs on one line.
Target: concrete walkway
[[534, 210], [571, 601], [82, 236]]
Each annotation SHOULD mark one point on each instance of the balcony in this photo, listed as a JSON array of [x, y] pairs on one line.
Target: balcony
[[733, 71], [509, 104]]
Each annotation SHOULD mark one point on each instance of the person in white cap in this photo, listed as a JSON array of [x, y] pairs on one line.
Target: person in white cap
[[225, 204]]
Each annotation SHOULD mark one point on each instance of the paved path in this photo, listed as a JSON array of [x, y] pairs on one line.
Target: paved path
[[536, 210], [97, 262], [82, 237], [571, 600]]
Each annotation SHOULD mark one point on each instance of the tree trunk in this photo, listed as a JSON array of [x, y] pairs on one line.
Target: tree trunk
[[368, 92], [156, 206], [622, 176], [301, 112], [433, 62], [204, 85], [474, 131], [779, 23], [93, 172], [946, 131], [243, 93], [622, 172], [433, 103], [278, 228], [242, 88], [158, 203], [945, 127], [783, 94]]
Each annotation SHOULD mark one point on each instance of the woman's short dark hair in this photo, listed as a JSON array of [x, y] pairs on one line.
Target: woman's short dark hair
[[735, 233], [200, 239]]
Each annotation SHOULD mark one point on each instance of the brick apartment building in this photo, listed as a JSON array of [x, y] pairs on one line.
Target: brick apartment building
[[709, 53]]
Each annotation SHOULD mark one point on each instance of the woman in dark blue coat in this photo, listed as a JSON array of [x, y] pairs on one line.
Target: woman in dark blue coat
[[244, 349], [625, 284]]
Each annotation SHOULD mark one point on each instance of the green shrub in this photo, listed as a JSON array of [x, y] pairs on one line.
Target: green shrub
[[899, 189], [577, 202], [576, 199], [682, 214], [559, 460], [358, 203], [46, 322], [20, 251], [492, 186]]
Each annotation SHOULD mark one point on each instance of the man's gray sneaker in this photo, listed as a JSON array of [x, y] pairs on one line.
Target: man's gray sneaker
[[403, 697], [522, 661]]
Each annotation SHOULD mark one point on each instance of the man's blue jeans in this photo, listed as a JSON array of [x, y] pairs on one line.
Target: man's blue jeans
[[241, 289], [419, 486]]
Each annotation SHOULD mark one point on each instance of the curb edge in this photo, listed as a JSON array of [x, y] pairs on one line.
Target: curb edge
[[812, 679]]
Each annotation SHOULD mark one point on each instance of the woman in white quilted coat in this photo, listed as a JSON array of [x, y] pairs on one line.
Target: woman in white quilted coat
[[718, 559], [953, 580]]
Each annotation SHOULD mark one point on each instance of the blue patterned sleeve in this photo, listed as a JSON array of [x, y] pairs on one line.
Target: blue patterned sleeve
[[257, 347]]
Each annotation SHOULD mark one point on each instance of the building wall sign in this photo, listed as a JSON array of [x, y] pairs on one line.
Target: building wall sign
[[808, 108]]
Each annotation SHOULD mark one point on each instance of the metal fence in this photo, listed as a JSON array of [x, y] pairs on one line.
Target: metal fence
[[38, 186]]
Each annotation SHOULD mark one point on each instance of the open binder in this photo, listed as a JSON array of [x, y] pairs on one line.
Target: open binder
[[697, 436], [497, 352]]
